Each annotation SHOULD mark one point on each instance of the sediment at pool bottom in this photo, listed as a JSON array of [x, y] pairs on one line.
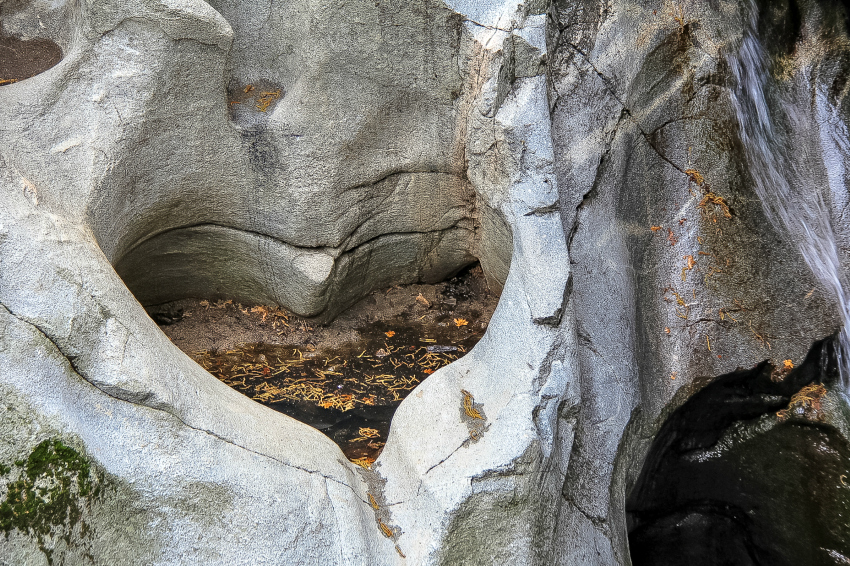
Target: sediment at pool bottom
[[345, 379]]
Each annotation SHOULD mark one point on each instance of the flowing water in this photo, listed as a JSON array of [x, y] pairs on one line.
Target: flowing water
[[791, 200]]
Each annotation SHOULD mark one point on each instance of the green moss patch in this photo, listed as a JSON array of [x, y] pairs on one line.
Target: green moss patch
[[49, 493]]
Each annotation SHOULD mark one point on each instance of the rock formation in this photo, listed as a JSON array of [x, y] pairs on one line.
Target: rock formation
[[592, 155]]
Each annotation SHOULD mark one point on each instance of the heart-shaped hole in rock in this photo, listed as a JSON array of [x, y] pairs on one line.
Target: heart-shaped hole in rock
[[348, 377]]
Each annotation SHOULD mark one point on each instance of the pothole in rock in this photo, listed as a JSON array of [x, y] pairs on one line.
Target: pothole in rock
[[21, 59], [252, 99], [754, 469], [347, 378]]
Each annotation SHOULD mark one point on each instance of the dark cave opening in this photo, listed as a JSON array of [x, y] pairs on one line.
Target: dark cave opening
[[752, 470]]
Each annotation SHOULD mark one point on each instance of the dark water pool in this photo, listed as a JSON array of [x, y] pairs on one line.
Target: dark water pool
[[748, 472], [351, 392], [21, 59]]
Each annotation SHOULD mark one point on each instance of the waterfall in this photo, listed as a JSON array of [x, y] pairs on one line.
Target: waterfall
[[793, 203]]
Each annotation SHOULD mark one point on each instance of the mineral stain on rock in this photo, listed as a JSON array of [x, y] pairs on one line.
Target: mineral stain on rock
[[750, 471]]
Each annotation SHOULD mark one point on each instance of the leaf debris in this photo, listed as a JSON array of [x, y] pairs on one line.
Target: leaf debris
[[468, 405], [806, 403], [388, 532]]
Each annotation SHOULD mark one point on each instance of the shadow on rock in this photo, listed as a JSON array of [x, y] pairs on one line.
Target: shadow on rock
[[752, 470]]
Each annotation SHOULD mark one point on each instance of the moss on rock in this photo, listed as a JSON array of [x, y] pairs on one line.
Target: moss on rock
[[49, 494]]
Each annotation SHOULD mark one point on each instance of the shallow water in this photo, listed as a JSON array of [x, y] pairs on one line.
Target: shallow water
[[350, 393], [22, 59]]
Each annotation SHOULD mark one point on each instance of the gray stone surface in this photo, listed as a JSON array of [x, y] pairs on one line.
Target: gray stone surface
[[401, 141], [640, 98]]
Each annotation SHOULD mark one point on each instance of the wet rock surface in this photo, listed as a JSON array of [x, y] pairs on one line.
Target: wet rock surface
[[749, 471]]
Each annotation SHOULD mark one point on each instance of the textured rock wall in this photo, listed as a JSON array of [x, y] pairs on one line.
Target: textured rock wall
[[640, 168], [586, 152]]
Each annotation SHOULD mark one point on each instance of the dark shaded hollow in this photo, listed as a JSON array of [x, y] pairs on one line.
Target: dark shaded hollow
[[21, 59], [727, 481]]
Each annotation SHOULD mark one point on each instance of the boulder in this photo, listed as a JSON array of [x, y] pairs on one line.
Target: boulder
[[597, 158]]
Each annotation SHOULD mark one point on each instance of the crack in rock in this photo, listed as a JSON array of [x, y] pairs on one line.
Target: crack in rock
[[217, 436]]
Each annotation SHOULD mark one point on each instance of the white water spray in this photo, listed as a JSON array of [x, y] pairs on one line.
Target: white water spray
[[781, 187]]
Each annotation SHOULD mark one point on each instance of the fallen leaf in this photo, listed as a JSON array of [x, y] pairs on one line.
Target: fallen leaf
[[428, 371], [262, 310], [421, 299], [385, 529], [469, 405], [363, 462], [788, 365], [690, 265], [265, 100], [390, 333], [366, 432], [655, 228], [673, 375], [461, 322], [671, 237], [695, 176]]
